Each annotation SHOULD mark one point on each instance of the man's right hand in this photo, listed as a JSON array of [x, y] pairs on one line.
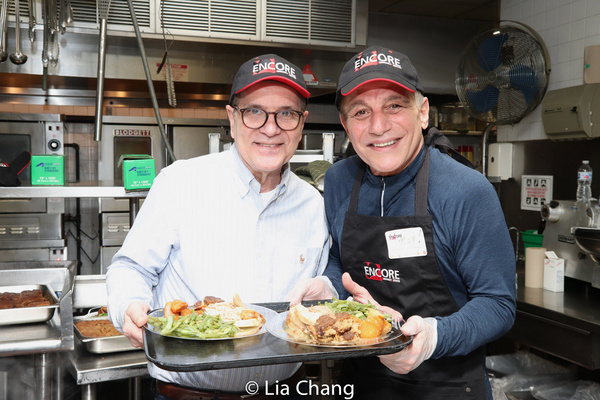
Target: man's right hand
[[136, 316], [319, 288]]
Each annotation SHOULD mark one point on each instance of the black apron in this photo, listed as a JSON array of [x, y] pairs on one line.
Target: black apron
[[413, 286]]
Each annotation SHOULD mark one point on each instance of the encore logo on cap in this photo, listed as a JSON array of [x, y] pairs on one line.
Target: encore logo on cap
[[375, 58], [272, 67]]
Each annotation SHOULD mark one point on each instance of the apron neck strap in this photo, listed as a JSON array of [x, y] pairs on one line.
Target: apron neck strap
[[422, 185], [420, 190], [353, 207]]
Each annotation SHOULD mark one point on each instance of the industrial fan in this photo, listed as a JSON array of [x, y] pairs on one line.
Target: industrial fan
[[503, 74]]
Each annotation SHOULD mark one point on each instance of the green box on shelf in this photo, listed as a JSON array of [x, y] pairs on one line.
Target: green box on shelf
[[138, 171], [48, 170]]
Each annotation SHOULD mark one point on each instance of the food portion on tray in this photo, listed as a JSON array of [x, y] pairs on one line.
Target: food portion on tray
[[338, 323], [211, 318], [23, 304]]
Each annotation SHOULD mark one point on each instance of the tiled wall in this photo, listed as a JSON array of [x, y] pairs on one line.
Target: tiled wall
[[567, 27]]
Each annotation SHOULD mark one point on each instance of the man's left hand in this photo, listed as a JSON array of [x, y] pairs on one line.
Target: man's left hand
[[424, 342]]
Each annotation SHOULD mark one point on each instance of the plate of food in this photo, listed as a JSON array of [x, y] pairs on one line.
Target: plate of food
[[209, 319], [338, 323]]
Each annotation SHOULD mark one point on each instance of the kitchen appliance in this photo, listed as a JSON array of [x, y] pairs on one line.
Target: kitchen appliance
[[189, 137], [31, 229], [502, 76], [567, 113], [561, 218]]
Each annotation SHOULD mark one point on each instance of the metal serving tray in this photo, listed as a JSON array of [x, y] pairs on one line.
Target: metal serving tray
[[102, 345], [183, 355], [26, 315]]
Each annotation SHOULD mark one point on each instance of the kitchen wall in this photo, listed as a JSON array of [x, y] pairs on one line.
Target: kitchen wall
[[566, 26]]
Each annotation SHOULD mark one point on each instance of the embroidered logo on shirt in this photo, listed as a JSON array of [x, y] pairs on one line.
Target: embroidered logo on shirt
[[376, 273], [302, 259]]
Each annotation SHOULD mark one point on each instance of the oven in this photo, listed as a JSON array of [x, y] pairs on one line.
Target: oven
[[31, 229], [188, 138]]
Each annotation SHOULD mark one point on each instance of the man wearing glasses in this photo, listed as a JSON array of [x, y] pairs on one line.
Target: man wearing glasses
[[232, 222]]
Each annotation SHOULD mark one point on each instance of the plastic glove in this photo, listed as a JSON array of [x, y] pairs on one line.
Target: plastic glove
[[424, 342], [319, 288], [136, 316], [362, 295]]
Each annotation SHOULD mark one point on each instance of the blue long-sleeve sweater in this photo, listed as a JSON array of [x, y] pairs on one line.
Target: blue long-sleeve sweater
[[472, 243]]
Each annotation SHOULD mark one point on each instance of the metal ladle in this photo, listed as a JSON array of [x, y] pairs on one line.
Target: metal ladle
[[17, 57], [3, 29]]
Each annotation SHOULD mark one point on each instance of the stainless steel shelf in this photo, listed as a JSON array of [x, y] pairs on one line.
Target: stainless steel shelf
[[72, 190]]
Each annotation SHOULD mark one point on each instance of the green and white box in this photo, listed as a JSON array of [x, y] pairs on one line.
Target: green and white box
[[138, 171], [48, 170]]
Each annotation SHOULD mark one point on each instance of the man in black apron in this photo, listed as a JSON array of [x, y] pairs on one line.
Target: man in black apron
[[415, 230]]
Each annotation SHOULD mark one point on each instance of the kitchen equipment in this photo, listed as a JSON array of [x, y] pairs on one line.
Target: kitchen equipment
[[17, 57], [561, 218], [140, 135], [32, 21], [31, 228], [567, 113], [502, 76], [589, 241], [3, 30], [39, 342], [102, 345]]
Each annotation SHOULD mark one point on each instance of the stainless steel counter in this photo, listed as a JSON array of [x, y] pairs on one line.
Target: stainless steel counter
[[565, 324], [42, 341]]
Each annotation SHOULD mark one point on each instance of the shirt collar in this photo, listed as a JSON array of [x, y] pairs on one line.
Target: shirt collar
[[245, 181]]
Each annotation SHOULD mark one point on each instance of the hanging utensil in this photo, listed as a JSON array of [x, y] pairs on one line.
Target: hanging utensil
[[53, 47], [17, 57], [47, 21], [32, 21], [103, 9], [3, 30]]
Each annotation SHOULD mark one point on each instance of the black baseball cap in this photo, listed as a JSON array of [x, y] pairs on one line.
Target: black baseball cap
[[377, 64], [268, 67]]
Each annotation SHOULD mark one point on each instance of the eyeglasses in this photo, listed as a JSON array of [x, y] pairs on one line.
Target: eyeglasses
[[255, 118]]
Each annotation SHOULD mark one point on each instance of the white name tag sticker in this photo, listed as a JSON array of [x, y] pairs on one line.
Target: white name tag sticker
[[403, 243]]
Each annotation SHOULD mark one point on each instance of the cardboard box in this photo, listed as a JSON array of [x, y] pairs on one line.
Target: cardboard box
[[554, 273], [48, 170], [138, 171]]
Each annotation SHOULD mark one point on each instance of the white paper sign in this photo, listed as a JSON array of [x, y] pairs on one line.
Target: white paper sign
[[408, 242], [536, 190]]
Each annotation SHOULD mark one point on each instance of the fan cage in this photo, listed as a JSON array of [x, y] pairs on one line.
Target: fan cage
[[502, 75]]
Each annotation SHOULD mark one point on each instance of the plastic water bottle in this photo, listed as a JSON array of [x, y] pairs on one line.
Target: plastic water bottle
[[584, 193], [584, 182]]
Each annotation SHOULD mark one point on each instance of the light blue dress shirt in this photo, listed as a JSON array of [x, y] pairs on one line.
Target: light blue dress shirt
[[204, 230]]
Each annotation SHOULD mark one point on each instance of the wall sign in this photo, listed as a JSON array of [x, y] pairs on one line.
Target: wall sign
[[536, 190]]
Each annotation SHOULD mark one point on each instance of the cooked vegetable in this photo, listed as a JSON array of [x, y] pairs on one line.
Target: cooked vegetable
[[201, 326]]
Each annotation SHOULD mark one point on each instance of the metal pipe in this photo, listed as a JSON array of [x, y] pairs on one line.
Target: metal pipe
[[100, 80], [486, 132], [161, 126]]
